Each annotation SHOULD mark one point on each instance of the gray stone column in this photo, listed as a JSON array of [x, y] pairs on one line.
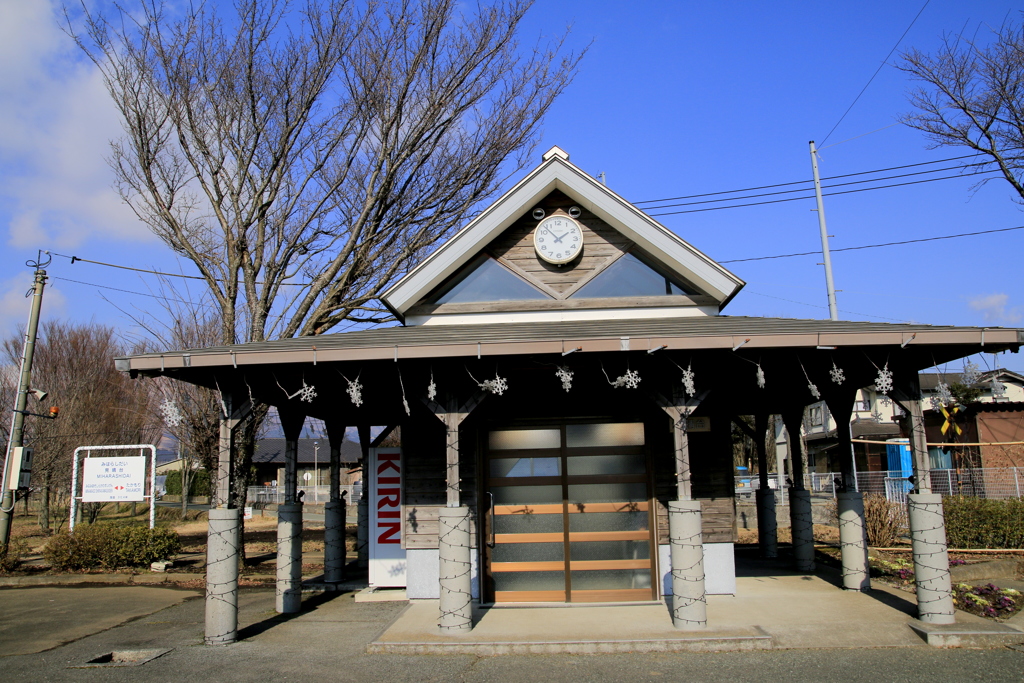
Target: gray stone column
[[931, 562], [222, 546], [289, 558], [767, 524], [334, 541], [689, 602], [853, 540], [454, 571], [801, 525], [363, 527]]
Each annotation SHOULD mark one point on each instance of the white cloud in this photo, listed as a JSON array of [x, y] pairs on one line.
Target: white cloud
[[14, 305], [993, 307], [56, 122]]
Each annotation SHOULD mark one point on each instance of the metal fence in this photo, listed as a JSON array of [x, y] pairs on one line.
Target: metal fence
[[264, 495], [981, 482]]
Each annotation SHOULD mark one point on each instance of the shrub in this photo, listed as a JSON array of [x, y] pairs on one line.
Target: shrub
[[17, 549], [199, 486], [110, 547], [884, 520], [984, 523]]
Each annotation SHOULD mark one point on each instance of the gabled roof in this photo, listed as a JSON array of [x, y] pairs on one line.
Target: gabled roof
[[555, 172]]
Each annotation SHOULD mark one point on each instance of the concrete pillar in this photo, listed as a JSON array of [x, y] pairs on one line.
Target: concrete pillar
[[767, 524], [931, 563], [363, 527], [801, 525], [334, 541], [454, 571], [289, 558], [222, 546], [689, 603], [853, 540]]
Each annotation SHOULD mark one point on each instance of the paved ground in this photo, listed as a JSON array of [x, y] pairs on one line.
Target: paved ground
[[327, 641]]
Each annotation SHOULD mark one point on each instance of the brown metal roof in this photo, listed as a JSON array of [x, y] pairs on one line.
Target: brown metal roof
[[698, 332]]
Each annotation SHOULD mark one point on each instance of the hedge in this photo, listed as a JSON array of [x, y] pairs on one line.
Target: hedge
[[983, 522], [199, 486], [110, 546]]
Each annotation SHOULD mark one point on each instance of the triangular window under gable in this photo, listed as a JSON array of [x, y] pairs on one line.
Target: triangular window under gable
[[484, 279], [631, 275]]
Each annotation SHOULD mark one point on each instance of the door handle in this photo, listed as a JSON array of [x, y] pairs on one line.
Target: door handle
[[490, 543]]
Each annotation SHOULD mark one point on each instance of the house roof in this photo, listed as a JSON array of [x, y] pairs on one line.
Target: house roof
[[930, 380], [557, 173], [860, 429], [492, 339], [272, 451]]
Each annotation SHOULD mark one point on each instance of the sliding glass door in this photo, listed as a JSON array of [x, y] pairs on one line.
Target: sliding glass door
[[570, 516]]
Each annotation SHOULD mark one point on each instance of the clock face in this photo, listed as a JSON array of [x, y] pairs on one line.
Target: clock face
[[558, 239]]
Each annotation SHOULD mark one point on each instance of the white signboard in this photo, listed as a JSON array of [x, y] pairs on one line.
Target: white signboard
[[387, 557], [698, 424], [114, 479]]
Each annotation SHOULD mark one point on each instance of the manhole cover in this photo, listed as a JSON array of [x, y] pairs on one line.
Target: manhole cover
[[122, 658]]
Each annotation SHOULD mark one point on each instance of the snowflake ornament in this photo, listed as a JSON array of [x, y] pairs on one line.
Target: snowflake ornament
[[431, 388], [877, 416], [837, 374], [498, 385], [355, 391], [172, 416], [886, 401], [883, 383], [812, 387], [972, 374], [760, 376], [998, 388], [631, 380], [564, 375], [307, 393], [943, 395], [688, 384]]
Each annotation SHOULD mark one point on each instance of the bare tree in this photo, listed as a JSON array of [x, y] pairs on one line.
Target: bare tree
[[99, 406], [973, 97], [305, 160]]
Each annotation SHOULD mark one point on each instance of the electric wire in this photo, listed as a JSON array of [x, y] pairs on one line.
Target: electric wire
[[809, 180], [127, 291], [877, 71], [158, 272]]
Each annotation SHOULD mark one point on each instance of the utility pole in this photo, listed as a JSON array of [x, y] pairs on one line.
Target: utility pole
[[21, 406], [833, 312]]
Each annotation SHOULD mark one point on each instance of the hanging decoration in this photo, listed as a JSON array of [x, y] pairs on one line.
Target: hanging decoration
[[760, 376], [998, 388], [883, 383], [498, 385], [811, 386], [306, 393], [354, 389], [405, 403], [172, 416], [837, 374], [943, 396], [688, 384], [564, 375], [972, 374], [631, 380], [431, 388]]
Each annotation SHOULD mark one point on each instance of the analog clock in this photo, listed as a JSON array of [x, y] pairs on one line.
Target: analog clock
[[558, 239]]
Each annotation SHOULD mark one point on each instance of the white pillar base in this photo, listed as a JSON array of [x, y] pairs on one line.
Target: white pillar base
[[767, 524], [689, 602], [454, 570], [334, 541], [853, 541], [931, 562], [801, 524], [289, 558], [222, 552]]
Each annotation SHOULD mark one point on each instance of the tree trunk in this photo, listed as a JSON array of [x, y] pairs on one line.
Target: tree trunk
[[186, 487], [44, 506]]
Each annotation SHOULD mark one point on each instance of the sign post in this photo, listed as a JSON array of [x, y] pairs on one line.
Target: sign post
[[114, 478], [387, 556]]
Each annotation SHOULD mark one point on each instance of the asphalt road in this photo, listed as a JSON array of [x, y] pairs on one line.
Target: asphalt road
[[326, 642]]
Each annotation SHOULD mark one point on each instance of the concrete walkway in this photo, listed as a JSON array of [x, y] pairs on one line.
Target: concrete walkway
[[777, 610]]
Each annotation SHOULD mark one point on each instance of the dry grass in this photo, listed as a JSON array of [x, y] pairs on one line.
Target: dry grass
[[822, 534]]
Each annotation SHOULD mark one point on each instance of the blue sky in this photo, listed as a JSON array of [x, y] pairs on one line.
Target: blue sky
[[674, 98]]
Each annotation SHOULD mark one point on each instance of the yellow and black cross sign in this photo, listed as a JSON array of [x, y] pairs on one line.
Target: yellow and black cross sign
[[950, 420]]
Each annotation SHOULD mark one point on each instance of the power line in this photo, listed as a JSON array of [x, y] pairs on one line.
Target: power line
[[824, 194], [127, 291], [157, 272], [804, 303], [875, 246], [800, 182], [877, 71]]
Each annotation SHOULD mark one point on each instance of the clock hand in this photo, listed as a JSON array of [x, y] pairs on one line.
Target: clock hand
[[559, 238]]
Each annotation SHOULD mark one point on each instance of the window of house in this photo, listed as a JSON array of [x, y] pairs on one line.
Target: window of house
[[631, 275], [816, 414], [484, 279], [863, 403]]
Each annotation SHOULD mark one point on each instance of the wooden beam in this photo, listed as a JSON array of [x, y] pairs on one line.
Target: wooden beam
[[452, 415], [679, 408]]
